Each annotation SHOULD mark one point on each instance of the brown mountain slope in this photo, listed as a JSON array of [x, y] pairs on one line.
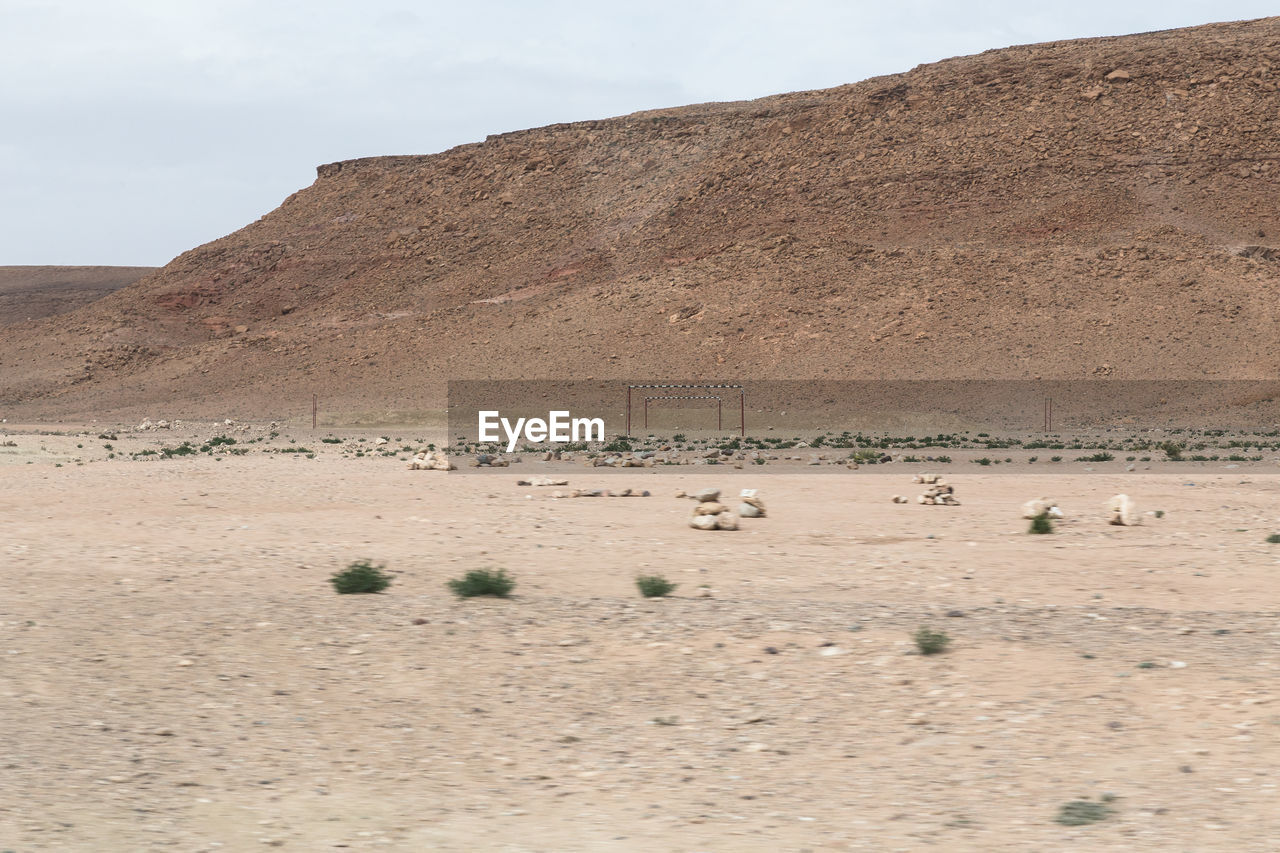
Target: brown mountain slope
[[1089, 208], [30, 293]]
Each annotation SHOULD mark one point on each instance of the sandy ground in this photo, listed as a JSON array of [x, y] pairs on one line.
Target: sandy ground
[[177, 672]]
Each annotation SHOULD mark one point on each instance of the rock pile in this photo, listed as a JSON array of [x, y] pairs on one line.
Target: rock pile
[[939, 492], [751, 506], [710, 514], [431, 460]]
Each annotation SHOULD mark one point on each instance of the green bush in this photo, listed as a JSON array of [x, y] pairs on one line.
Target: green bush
[[361, 576], [482, 582], [1082, 812], [1172, 451], [654, 586], [184, 449], [931, 642], [1274, 539], [1041, 524]]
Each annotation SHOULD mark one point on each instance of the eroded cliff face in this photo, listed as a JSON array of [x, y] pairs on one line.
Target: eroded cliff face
[[1102, 207]]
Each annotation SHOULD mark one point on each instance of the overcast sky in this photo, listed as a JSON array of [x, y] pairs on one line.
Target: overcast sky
[[132, 130]]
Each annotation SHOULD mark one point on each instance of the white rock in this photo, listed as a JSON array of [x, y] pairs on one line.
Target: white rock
[[726, 521], [703, 522], [1041, 506], [1122, 511]]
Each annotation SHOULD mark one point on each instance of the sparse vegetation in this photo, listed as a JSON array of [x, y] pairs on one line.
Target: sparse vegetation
[[931, 642], [1172, 451], [479, 582], [1041, 524], [654, 586], [360, 577], [1273, 539]]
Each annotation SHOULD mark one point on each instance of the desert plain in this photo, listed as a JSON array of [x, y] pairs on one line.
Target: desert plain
[[178, 672]]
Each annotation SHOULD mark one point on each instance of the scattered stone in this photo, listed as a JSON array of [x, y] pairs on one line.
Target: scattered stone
[[899, 499], [707, 495]]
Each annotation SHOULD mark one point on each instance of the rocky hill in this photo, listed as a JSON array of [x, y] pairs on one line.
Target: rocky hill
[[1094, 208]]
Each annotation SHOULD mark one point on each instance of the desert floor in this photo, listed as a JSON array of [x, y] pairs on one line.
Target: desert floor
[[177, 672]]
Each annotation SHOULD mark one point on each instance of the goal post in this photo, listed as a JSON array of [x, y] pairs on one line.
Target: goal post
[[710, 388]]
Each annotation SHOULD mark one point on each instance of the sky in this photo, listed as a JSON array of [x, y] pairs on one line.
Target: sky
[[133, 130]]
